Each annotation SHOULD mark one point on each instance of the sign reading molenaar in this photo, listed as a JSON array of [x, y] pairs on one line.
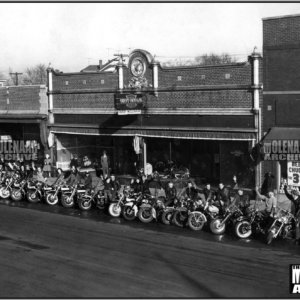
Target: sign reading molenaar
[[281, 150], [14, 149], [128, 104]]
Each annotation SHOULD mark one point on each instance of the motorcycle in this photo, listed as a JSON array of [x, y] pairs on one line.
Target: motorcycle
[[36, 191], [282, 226], [6, 189], [71, 195], [250, 224], [168, 213], [197, 219], [132, 205], [151, 208], [52, 196], [19, 190], [181, 215], [87, 200], [220, 224], [115, 208]]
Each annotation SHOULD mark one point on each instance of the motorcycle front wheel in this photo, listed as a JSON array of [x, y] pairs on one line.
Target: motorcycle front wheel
[[67, 201], [167, 216], [85, 204], [32, 197], [270, 237], [51, 199], [180, 218], [128, 213], [16, 195], [196, 221], [243, 229], [216, 227], [145, 215], [114, 210], [4, 193]]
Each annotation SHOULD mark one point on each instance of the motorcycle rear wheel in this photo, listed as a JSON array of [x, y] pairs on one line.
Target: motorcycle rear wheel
[[145, 215], [66, 201], [180, 218], [243, 229], [128, 213], [51, 200], [16, 195], [32, 197], [167, 217], [196, 221], [216, 227], [114, 210], [5, 193]]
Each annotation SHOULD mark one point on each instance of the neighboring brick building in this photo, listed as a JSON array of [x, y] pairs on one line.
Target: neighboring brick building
[[23, 115], [205, 118], [281, 78]]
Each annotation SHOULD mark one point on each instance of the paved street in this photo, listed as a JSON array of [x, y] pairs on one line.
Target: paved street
[[57, 252]]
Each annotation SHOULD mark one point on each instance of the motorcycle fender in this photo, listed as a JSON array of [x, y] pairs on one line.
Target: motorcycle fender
[[145, 205], [182, 209], [153, 211], [242, 218], [128, 204]]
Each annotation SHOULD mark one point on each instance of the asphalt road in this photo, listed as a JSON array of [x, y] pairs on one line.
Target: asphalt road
[[57, 252]]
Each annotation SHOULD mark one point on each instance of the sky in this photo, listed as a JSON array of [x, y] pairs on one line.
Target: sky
[[71, 36]]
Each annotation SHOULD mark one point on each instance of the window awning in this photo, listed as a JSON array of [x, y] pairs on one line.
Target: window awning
[[283, 133], [22, 118], [198, 135]]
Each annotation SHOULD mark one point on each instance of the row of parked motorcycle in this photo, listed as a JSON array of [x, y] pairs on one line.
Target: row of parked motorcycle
[[146, 207]]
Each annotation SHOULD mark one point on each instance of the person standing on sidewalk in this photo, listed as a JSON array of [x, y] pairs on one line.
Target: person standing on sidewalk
[[105, 162], [295, 198]]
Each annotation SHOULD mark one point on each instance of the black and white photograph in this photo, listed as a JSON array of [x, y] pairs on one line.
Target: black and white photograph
[[149, 150]]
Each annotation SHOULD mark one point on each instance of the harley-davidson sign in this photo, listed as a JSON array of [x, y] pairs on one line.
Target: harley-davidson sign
[[129, 104]]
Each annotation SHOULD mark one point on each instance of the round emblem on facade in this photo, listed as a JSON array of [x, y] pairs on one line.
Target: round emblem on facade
[[138, 67]]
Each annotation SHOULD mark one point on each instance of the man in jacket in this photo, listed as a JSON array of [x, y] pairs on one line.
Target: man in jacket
[[208, 193], [242, 201], [171, 193], [271, 206], [73, 178], [191, 191], [222, 195], [114, 186], [88, 181], [295, 198]]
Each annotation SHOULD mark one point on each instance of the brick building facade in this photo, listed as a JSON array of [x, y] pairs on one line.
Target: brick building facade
[[24, 115], [205, 118], [281, 77]]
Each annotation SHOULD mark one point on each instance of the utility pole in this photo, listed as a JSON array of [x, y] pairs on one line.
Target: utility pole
[[88, 58], [16, 74], [108, 53]]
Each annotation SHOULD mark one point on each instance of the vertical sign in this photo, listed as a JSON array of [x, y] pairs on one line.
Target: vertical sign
[[293, 173]]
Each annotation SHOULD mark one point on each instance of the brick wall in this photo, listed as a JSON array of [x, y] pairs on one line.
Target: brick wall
[[195, 99], [20, 98], [282, 69], [84, 81], [281, 31]]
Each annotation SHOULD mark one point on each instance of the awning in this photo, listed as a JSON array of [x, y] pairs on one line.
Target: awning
[[197, 135], [22, 118], [283, 133]]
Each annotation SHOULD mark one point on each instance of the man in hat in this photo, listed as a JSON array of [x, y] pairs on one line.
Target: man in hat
[[295, 198]]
